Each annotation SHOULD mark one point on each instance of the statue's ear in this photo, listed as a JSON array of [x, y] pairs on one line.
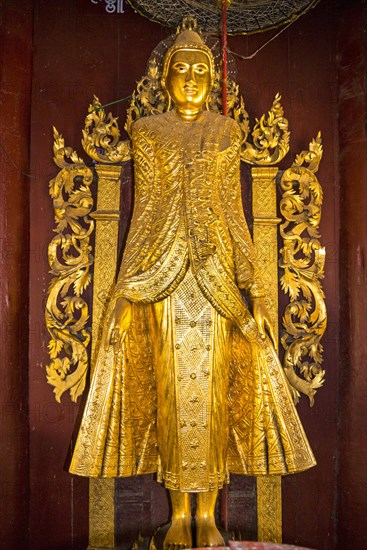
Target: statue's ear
[[165, 90], [169, 104]]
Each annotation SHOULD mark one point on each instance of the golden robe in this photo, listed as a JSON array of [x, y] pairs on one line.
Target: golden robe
[[193, 393]]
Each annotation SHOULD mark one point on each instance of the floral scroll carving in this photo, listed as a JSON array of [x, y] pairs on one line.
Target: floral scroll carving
[[69, 255], [302, 259]]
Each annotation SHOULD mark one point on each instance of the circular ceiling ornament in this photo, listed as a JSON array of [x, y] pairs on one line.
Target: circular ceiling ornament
[[243, 16]]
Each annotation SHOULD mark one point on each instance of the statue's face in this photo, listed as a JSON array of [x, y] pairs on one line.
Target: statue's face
[[188, 79]]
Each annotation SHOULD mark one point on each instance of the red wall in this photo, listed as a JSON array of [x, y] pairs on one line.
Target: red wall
[[79, 50], [15, 87], [352, 109]]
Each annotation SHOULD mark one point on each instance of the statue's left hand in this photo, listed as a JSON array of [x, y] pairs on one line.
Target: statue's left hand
[[119, 322], [261, 318]]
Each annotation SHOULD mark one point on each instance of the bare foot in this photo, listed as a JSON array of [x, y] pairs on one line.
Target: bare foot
[[207, 533], [179, 534]]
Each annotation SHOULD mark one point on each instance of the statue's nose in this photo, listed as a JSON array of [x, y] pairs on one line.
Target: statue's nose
[[190, 75]]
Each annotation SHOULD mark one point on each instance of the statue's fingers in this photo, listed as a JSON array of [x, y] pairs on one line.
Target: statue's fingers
[[108, 334], [262, 330], [108, 338], [123, 336], [259, 324], [271, 332], [115, 335]]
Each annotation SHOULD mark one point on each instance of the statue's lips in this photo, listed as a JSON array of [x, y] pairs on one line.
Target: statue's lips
[[190, 89]]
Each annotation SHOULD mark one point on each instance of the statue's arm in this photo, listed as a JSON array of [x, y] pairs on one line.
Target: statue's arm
[[119, 317], [118, 321], [144, 199], [248, 273]]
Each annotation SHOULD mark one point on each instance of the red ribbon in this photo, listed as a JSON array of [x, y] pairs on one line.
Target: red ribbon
[[224, 57]]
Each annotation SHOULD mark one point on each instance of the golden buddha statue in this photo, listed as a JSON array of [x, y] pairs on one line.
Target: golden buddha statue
[[187, 383]]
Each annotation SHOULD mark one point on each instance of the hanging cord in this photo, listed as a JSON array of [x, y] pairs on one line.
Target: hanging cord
[[245, 57], [108, 104]]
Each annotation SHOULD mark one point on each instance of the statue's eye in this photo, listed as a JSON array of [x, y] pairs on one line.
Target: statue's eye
[[180, 67], [201, 69]]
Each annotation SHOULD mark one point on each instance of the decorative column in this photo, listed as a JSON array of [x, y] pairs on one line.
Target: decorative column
[[269, 490], [107, 215]]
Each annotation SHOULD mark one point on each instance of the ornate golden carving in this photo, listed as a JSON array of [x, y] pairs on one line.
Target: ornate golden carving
[[69, 255], [66, 310], [61, 153], [270, 138], [303, 260], [235, 104], [101, 136]]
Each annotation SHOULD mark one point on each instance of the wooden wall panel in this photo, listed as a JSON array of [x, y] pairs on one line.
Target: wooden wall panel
[[352, 109], [15, 99]]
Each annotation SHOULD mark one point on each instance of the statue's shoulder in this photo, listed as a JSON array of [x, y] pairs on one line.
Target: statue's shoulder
[[152, 122], [220, 121]]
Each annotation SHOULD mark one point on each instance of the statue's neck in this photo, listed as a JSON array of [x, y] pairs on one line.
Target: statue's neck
[[188, 115]]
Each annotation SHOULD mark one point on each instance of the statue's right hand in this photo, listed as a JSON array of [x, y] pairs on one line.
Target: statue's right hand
[[119, 322]]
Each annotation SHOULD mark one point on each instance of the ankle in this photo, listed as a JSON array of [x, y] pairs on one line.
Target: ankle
[[205, 517], [181, 516]]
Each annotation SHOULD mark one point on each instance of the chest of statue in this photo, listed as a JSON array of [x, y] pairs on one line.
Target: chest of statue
[[181, 142]]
